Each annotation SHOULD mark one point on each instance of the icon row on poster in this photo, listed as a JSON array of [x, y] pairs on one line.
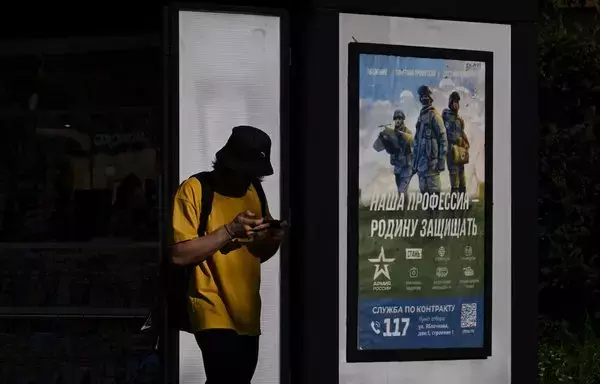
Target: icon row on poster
[[442, 253], [441, 272], [382, 265]]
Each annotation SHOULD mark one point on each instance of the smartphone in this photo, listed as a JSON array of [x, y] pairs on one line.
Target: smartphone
[[275, 224]]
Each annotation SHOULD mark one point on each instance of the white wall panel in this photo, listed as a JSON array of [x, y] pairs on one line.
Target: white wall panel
[[229, 74]]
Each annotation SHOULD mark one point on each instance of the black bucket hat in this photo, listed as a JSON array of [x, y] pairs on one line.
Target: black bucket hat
[[248, 151]]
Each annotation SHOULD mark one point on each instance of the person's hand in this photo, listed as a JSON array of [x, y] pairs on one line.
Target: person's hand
[[266, 232], [241, 227]]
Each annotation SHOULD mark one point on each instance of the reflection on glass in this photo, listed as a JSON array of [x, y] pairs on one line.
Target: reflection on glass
[[78, 164]]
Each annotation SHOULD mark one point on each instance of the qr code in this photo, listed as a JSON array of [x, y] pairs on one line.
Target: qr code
[[468, 315]]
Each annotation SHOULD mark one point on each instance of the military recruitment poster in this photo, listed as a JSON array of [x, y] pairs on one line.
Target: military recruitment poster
[[419, 265]]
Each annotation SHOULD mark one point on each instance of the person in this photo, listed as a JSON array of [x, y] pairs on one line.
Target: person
[[397, 142], [129, 216], [430, 145], [224, 301], [459, 144]]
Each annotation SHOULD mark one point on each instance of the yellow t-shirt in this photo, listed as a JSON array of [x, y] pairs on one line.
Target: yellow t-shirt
[[225, 289]]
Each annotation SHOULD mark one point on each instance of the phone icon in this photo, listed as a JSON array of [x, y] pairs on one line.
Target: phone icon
[[375, 327]]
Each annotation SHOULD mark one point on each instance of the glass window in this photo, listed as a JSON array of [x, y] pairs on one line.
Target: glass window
[[79, 156], [79, 224]]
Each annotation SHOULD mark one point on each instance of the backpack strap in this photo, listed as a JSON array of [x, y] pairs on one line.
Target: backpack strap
[[261, 196], [206, 183]]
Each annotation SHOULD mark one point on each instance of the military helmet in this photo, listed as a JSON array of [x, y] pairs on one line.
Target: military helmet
[[424, 91], [454, 96], [399, 114]]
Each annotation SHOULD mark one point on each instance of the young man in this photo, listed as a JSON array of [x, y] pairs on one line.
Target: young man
[[224, 296]]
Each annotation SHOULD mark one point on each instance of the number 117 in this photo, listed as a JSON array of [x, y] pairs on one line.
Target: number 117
[[396, 332]]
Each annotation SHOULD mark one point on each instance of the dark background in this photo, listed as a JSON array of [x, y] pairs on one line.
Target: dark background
[[76, 282], [569, 193]]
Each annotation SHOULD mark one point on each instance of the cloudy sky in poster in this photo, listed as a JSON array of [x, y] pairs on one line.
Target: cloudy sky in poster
[[390, 82]]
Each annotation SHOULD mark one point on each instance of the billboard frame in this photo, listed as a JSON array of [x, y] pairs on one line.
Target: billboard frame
[[353, 354]]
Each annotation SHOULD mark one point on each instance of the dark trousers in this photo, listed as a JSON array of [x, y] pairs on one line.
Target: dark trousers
[[229, 358], [402, 182]]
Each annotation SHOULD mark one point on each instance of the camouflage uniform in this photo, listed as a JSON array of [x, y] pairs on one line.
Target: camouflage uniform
[[430, 146], [455, 130], [402, 162], [399, 147]]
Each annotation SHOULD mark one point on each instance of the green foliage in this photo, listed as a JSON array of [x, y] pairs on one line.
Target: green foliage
[[565, 357], [569, 161], [569, 193]]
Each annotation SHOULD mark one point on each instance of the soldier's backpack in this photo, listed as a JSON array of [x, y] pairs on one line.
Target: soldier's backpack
[[175, 280]]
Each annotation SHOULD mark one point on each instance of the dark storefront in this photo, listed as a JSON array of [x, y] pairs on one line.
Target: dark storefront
[[80, 218]]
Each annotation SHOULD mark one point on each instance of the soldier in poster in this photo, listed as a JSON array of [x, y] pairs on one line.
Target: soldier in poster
[[431, 144], [397, 140], [458, 155]]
